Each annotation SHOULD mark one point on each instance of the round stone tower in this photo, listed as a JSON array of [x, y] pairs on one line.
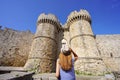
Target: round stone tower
[[42, 57], [82, 41]]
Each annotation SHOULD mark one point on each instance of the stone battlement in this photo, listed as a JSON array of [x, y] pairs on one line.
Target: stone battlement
[[82, 14], [50, 18]]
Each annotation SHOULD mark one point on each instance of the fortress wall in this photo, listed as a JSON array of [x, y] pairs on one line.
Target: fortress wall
[[14, 47], [109, 47]]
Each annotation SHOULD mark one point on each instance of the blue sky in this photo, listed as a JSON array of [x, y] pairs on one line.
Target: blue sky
[[22, 14]]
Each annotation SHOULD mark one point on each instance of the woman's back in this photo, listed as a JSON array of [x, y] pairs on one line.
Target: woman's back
[[65, 63], [67, 75]]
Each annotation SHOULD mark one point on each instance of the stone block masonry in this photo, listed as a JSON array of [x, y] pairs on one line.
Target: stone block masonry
[[14, 47], [43, 54]]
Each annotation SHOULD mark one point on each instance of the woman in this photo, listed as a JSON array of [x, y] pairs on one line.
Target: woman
[[64, 65]]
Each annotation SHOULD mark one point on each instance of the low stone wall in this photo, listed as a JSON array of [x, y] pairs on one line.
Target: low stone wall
[[15, 73], [17, 76], [4, 69]]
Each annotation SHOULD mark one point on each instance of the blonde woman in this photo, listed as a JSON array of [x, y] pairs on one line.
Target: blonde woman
[[65, 63]]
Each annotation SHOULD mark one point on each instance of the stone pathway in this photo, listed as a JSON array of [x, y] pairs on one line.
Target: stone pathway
[[51, 76], [18, 73]]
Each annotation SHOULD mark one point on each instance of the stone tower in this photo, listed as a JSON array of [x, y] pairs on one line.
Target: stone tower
[[43, 54], [82, 41]]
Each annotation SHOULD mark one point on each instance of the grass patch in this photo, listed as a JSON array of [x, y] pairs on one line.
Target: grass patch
[[77, 72]]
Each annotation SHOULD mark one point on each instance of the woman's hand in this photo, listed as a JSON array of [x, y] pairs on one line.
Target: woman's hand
[[75, 55], [70, 49]]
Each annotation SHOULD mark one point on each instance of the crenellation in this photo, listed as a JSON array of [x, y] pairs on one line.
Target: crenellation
[[82, 15], [50, 18]]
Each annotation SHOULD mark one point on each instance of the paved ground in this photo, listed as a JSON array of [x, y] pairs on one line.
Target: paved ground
[[51, 76], [18, 73]]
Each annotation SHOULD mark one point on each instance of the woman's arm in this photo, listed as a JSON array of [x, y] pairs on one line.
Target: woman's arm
[[57, 69], [75, 55]]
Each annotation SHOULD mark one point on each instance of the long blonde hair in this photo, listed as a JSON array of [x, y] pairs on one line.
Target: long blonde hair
[[65, 61]]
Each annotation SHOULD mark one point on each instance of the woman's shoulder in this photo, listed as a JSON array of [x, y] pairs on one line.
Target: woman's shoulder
[[58, 60]]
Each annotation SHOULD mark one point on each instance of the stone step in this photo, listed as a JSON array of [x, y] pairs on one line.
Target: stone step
[[17, 76], [8, 69], [45, 76]]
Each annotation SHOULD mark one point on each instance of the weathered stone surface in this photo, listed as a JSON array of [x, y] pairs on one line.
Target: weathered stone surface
[[44, 50], [45, 76], [14, 47], [117, 75], [82, 41], [51, 76], [94, 78], [109, 48], [6, 68], [17, 76]]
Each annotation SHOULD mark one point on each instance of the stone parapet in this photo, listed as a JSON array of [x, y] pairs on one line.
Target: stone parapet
[[50, 18], [81, 15]]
